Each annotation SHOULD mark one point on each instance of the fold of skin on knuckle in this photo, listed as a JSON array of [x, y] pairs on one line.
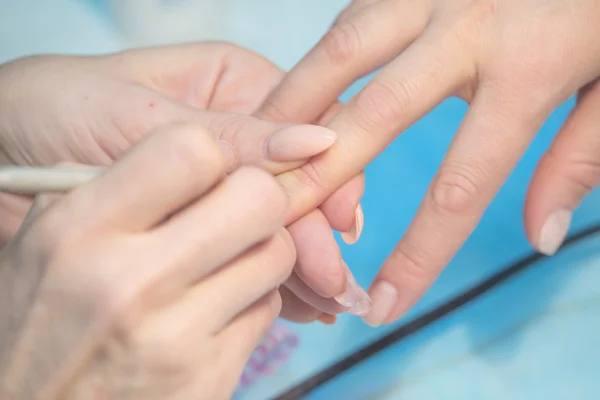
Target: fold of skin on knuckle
[[195, 152], [417, 267], [342, 44], [579, 168], [314, 176], [382, 105], [235, 130], [456, 191], [229, 127]]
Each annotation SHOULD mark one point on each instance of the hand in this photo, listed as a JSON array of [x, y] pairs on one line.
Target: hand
[[514, 61], [106, 104], [155, 280]]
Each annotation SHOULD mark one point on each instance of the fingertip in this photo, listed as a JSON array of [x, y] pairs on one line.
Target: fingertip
[[298, 142]]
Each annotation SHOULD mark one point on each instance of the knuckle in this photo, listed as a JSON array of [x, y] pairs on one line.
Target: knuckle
[[230, 127], [455, 190], [382, 103], [342, 44], [193, 150], [313, 176], [418, 266], [581, 168]]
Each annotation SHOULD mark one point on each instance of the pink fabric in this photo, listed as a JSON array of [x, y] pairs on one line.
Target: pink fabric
[[273, 351]]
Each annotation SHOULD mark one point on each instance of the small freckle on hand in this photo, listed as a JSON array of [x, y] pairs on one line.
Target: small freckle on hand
[[151, 104]]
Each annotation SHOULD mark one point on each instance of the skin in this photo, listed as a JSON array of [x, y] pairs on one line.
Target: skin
[[513, 61], [108, 103], [140, 286]]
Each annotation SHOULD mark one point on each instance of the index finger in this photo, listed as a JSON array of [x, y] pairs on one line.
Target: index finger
[[429, 71], [352, 48]]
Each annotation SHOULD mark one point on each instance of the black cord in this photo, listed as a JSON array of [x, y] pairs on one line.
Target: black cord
[[424, 320]]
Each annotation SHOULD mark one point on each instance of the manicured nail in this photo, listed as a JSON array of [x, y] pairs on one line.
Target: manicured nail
[[299, 142], [355, 298], [384, 296], [353, 234], [554, 231], [230, 155]]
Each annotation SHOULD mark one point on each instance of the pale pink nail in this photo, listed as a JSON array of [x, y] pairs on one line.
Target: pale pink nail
[[355, 298], [384, 296], [554, 231], [354, 233], [299, 142]]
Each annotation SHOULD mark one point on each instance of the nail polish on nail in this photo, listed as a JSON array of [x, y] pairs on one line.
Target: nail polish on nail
[[354, 233], [384, 296], [355, 298], [299, 142], [229, 153], [554, 231]]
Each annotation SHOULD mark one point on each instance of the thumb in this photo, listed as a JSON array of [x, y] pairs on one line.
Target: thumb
[[274, 147], [568, 171]]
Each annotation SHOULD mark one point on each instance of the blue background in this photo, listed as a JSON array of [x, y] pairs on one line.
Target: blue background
[[534, 337]]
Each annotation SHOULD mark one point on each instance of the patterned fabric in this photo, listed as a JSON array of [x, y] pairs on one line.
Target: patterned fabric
[[273, 351]]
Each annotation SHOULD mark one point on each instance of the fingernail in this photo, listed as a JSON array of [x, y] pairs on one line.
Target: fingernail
[[355, 298], [384, 297], [554, 231], [299, 142], [353, 234], [229, 154]]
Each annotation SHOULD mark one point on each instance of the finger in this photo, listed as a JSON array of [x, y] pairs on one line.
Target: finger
[[355, 7], [343, 211], [239, 339], [494, 135], [231, 348], [319, 261], [424, 75], [568, 171], [295, 310], [274, 147], [243, 211], [23, 209], [235, 286], [308, 296], [244, 140], [166, 171], [354, 47], [329, 114], [320, 266]]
